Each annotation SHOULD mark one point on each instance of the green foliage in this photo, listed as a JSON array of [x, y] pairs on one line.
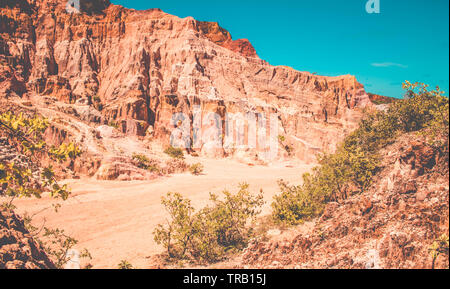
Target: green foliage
[[29, 178], [19, 179], [125, 265], [176, 236], [355, 162], [211, 233], [113, 124], [222, 227], [55, 242], [427, 110], [196, 169], [330, 181], [175, 153], [439, 246], [295, 204], [287, 148], [145, 163]]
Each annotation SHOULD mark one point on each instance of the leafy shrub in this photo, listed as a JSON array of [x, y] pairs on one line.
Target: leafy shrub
[[295, 204], [227, 219], [57, 244], [18, 179], [125, 265], [30, 178], [427, 111], [209, 234], [289, 149], [175, 153], [196, 169], [331, 180], [143, 162], [176, 236], [352, 167], [281, 138]]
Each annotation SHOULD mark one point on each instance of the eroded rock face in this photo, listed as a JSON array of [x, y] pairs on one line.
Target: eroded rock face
[[17, 248], [140, 67], [392, 225], [121, 169]]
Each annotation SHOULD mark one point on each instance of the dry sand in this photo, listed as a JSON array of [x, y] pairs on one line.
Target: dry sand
[[115, 220]]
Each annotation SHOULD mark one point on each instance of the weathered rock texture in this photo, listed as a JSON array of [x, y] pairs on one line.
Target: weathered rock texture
[[138, 68], [17, 248], [392, 225]]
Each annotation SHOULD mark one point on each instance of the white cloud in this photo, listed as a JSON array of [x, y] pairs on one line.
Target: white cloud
[[388, 64]]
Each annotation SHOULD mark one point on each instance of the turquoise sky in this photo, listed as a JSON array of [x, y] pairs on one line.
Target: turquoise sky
[[407, 40]]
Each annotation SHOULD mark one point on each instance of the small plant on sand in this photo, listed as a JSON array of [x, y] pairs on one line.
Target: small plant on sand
[[20, 178], [196, 169], [57, 244], [125, 265], [143, 162], [286, 147], [175, 153], [213, 232]]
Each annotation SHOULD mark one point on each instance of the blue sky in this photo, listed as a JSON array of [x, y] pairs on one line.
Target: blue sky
[[407, 40]]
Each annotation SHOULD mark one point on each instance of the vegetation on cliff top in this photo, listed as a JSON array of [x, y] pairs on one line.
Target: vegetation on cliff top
[[351, 168]]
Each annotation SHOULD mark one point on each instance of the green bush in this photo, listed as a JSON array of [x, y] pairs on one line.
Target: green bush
[[427, 111], [143, 162], [125, 265], [211, 233], [352, 167], [175, 153], [289, 149], [439, 246], [30, 178], [294, 204], [18, 179], [196, 169]]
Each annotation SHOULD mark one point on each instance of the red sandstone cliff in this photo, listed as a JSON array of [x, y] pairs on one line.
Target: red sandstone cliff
[[139, 67]]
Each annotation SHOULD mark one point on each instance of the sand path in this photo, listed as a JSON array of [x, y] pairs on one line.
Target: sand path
[[115, 220]]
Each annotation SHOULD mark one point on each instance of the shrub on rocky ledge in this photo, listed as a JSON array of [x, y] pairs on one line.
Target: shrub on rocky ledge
[[143, 162], [196, 169], [356, 161], [175, 153], [211, 233]]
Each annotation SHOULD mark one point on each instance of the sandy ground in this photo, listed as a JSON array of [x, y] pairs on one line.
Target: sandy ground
[[115, 220]]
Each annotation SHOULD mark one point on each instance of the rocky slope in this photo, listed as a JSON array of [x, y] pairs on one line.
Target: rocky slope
[[137, 68], [17, 248], [392, 225]]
